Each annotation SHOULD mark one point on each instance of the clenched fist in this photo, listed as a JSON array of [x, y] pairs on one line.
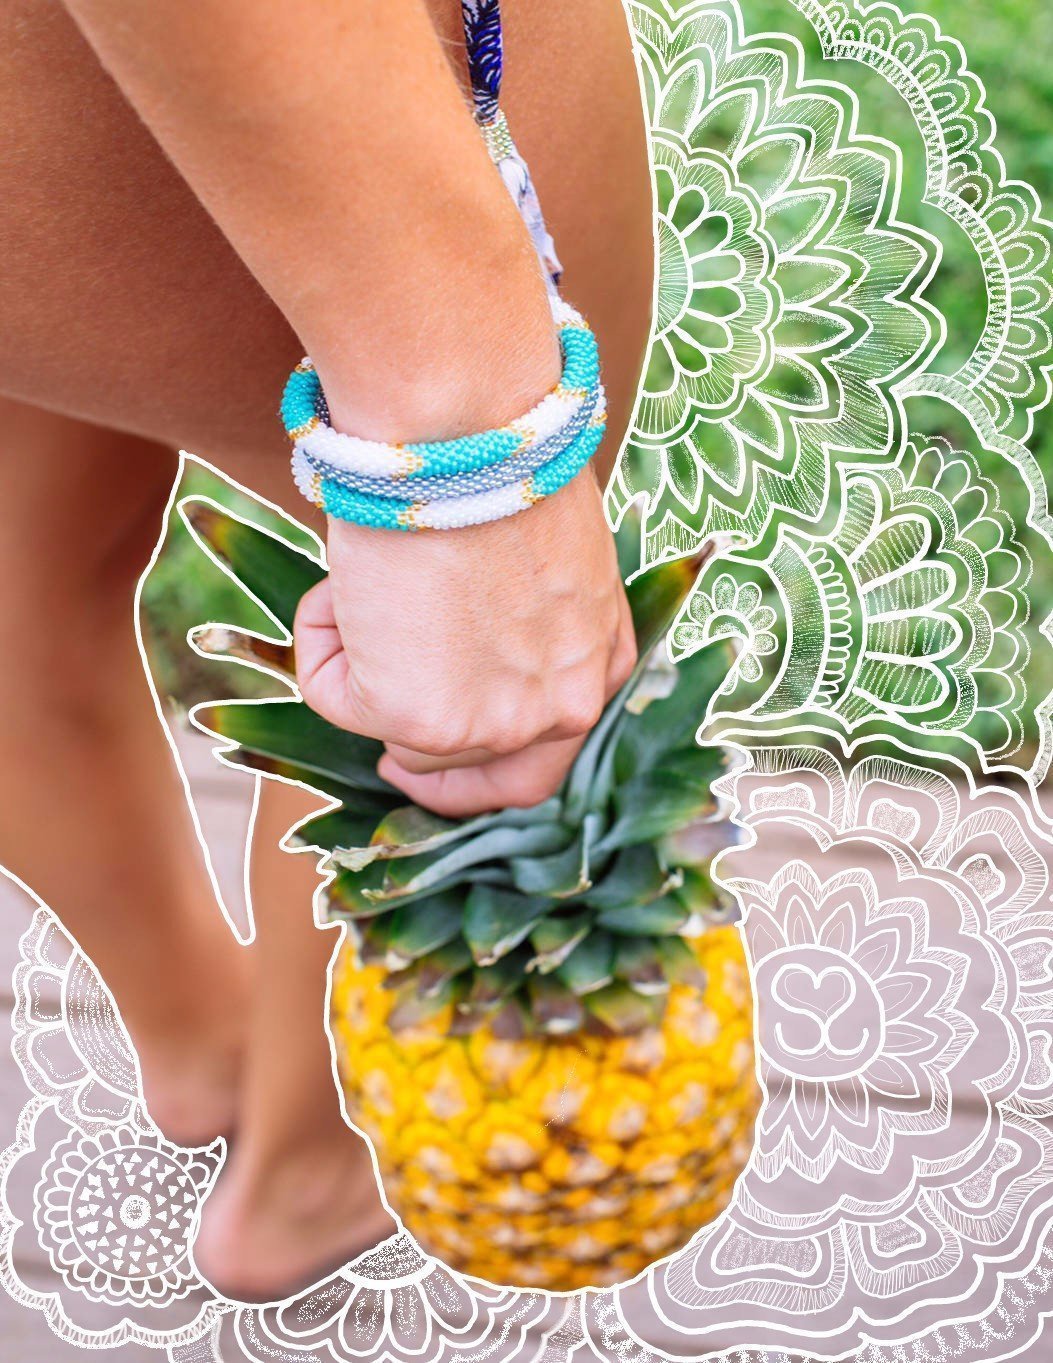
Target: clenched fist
[[480, 657]]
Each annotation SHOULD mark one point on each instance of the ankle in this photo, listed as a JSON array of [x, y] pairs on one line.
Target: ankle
[[304, 1173]]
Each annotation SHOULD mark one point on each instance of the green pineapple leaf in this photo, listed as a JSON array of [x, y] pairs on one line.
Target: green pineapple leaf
[[267, 566], [414, 874], [554, 939], [623, 1009], [492, 984], [350, 894], [442, 967], [496, 921], [553, 1007], [590, 965], [637, 961], [680, 963], [289, 731], [423, 926], [636, 876], [562, 875], [661, 916]]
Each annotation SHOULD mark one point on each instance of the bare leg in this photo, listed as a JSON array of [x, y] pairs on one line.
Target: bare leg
[[298, 1197], [130, 309], [94, 816], [96, 824]]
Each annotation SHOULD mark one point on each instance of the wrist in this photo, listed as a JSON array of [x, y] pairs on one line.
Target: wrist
[[449, 484], [465, 358]]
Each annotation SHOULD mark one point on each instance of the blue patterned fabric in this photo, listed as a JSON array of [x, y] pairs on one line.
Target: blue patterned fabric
[[482, 37]]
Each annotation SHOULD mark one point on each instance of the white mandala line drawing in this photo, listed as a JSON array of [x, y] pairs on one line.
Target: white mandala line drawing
[[115, 1206], [909, 614], [880, 590], [967, 179], [116, 1213], [792, 319], [904, 1028], [790, 292], [873, 1000]]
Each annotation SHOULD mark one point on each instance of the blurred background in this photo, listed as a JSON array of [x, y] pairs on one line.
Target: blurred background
[[1009, 46]]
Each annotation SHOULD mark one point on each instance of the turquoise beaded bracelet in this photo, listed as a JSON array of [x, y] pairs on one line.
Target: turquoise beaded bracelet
[[453, 483], [444, 485]]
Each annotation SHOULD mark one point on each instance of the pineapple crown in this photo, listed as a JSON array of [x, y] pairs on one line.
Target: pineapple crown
[[572, 914]]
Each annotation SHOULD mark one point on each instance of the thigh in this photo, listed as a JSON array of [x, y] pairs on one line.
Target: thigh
[[123, 303]]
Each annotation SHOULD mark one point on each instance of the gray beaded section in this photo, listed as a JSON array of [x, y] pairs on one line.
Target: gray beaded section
[[477, 480]]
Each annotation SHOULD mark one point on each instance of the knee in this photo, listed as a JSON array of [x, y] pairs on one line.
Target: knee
[[82, 509]]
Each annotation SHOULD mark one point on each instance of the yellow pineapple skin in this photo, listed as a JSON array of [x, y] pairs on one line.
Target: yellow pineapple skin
[[556, 1162]]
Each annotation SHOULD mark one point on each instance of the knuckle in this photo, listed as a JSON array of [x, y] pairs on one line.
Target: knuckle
[[438, 727], [432, 736], [579, 711], [623, 662], [511, 735]]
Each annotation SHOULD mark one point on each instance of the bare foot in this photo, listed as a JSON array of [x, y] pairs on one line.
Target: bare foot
[[271, 1229]]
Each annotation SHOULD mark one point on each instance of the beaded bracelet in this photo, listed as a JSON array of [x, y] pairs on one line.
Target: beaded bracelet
[[452, 513], [305, 416], [426, 487], [453, 483], [445, 485]]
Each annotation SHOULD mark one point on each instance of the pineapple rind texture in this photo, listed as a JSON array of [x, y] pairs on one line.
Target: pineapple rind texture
[[556, 1163]]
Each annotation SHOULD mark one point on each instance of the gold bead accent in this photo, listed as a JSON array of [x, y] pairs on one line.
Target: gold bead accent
[[300, 431], [411, 463]]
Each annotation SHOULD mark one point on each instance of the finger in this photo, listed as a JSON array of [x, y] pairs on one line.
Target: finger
[[518, 781], [322, 671], [582, 713], [624, 655], [409, 759]]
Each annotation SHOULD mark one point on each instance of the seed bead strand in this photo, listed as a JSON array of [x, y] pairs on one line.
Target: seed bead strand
[[452, 484]]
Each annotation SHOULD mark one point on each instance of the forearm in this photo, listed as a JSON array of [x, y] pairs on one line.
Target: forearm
[[334, 148]]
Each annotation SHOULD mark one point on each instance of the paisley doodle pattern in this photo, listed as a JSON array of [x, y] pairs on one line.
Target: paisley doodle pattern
[[800, 403], [905, 1143], [909, 614]]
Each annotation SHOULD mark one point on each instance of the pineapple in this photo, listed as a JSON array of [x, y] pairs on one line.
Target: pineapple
[[543, 1016]]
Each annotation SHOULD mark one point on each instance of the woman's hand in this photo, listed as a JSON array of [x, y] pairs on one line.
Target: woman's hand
[[365, 202], [481, 657]]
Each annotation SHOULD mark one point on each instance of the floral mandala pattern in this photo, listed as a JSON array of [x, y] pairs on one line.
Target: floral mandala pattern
[[905, 1142], [816, 279], [909, 614], [863, 1025], [800, 402], [117, 1213], [730, 611], [716, 298]]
